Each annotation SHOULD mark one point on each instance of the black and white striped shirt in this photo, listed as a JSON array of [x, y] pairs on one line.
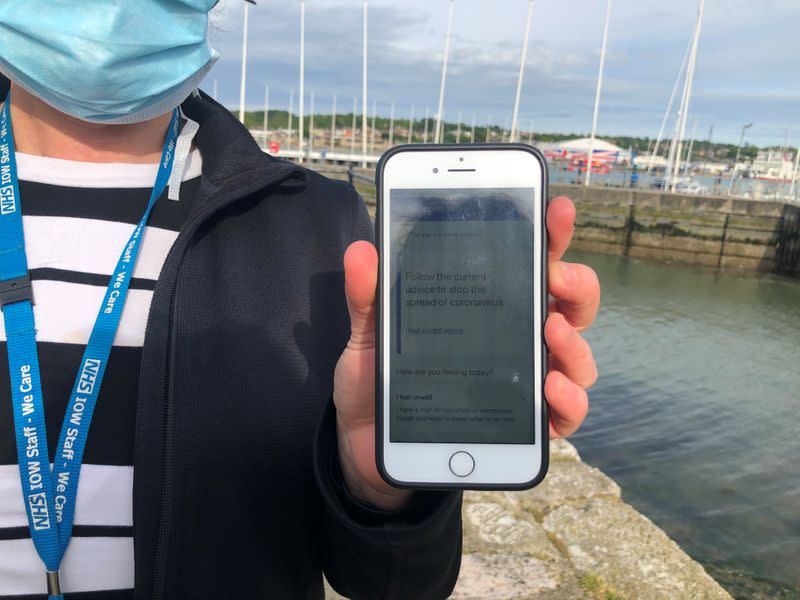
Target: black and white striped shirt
[[77, 217]]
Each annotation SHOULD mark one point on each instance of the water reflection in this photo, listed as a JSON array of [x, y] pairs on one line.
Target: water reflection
[[695, 413]]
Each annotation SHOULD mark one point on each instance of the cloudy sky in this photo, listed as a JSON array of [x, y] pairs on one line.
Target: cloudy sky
[[747, 69]]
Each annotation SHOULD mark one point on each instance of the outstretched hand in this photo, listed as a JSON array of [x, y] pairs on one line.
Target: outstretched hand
[[576, 298]]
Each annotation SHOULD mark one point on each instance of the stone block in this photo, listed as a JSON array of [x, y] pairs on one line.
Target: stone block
[[567, 482], [563, 450], [492, 527], [515, 577], [609, 539]]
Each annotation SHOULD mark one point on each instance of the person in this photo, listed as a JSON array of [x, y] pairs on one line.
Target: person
[[211, 360]]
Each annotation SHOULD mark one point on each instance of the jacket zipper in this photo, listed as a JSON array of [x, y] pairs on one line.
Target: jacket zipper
[[166, 463]]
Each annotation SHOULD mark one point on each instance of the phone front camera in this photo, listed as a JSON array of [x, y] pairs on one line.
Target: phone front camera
[[435, 170]]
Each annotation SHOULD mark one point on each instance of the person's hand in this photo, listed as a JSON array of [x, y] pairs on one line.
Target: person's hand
[[576, 293], [354, 385], [576, 297]]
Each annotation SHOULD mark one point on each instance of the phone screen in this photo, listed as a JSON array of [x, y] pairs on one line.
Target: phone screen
[[461, 327]]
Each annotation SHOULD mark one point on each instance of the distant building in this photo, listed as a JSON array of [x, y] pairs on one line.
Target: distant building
[[715, 168], [578, 150], [772, 164], [643, 161]]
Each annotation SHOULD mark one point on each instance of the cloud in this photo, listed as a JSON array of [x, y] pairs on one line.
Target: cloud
[[745, 67]]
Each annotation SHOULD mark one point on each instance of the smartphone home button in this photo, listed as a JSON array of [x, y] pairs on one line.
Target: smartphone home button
[[462, 464]]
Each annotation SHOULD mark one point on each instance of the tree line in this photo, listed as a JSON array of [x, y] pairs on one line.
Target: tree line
[[279, 119]]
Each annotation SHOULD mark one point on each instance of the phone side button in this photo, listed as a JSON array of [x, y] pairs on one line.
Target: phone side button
[[462, 464]]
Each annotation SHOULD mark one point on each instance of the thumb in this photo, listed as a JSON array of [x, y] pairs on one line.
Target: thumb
[[360, 280]]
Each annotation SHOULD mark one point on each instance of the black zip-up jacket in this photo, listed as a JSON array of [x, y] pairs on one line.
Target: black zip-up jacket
[[238, 491]]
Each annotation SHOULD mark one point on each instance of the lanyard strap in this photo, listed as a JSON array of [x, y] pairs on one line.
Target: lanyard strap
[[50, 496]]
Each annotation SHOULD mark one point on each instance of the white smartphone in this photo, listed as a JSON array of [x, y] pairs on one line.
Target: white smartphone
[[462, 299]]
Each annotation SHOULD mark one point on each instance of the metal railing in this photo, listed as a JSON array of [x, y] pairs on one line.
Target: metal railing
[[352, 177]]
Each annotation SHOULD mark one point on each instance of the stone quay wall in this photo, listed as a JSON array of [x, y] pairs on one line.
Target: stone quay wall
[[718, 232], [713, 231]]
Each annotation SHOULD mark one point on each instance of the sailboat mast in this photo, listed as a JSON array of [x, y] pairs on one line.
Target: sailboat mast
[[364, 65], [515, 118], [438, 134], [660, 136], [598, 91], [687, 92], [794, 173], [243, 83], [689, 151]]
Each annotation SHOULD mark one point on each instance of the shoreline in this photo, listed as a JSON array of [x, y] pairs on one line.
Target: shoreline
[[572, 537]]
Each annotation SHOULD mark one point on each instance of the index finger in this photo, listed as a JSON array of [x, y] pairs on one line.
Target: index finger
[[576, 290], [560, 225]]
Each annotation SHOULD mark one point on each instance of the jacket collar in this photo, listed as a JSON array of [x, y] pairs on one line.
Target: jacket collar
[[228, 149]]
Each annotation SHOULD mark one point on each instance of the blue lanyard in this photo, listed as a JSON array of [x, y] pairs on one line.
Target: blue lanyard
[[50, 497]]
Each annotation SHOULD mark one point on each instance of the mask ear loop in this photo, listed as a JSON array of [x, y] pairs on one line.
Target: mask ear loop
[[182, 149]]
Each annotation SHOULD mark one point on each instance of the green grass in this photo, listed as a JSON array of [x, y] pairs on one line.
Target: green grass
[[597, 587]]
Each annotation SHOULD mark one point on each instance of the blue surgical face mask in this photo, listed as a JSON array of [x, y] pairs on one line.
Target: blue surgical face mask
[[107, 61]]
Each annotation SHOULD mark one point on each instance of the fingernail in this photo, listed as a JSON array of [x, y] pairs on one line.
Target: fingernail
[[568, 274]]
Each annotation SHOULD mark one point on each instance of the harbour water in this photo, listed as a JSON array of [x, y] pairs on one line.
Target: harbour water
[[696, 411]]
